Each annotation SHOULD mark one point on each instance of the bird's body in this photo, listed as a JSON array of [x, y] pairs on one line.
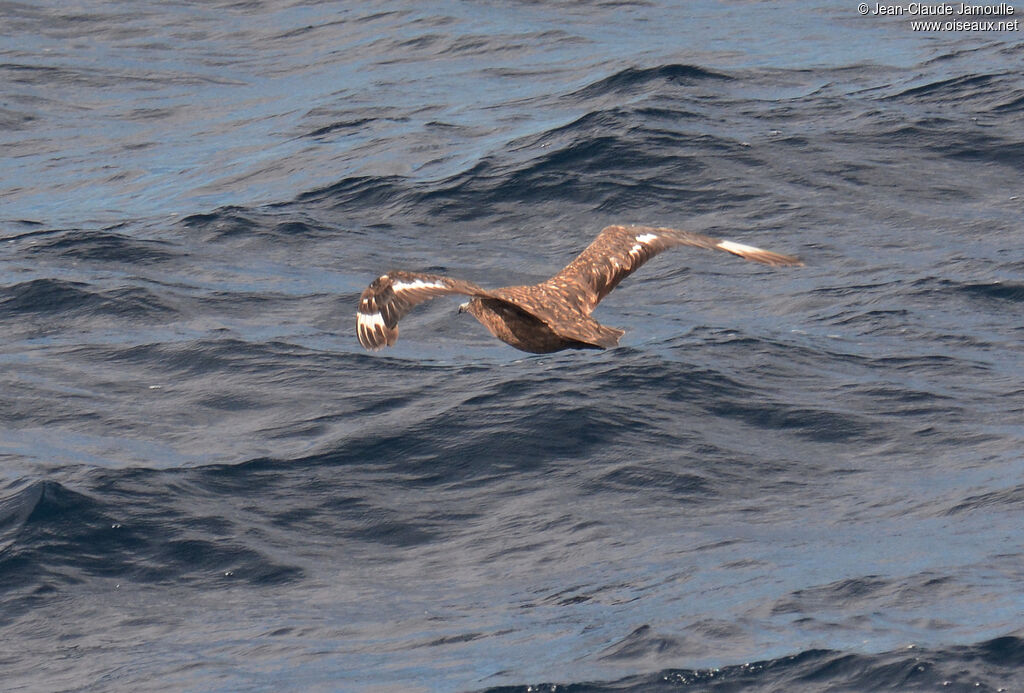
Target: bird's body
[[514, 326], [552, 315]]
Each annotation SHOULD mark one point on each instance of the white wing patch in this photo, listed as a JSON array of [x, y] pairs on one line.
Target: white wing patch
[[370, 321], [641, 240], [372, 332], [416, 284], [739, 248]]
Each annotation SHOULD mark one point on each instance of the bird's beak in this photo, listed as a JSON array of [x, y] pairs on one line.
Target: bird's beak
[[464, 307]]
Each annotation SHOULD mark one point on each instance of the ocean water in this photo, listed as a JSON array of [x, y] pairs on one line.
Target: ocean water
[[784, 479]]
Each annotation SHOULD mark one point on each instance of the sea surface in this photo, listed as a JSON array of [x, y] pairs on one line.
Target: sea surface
[[784, 479]]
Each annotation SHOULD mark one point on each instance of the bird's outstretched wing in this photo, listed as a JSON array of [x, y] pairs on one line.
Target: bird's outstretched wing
[[618, 251], [391, 296]]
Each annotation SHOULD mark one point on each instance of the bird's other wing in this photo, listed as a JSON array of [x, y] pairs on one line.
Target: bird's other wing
[[391, 296], [618, 251]]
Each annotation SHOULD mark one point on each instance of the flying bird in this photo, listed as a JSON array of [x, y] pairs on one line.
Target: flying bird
[[552, 315]]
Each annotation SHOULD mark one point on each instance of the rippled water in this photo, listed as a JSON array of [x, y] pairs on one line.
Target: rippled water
[[784, 479]]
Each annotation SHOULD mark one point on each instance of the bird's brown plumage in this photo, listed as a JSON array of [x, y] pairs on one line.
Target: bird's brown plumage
[[549, 316]]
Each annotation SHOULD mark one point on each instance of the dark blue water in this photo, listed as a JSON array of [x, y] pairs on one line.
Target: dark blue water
[[804, 479]]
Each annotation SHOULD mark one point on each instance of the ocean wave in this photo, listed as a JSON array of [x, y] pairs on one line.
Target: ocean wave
[[988, 666]]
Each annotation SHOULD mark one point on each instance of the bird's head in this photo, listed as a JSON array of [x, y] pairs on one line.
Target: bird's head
[[472, 306]]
